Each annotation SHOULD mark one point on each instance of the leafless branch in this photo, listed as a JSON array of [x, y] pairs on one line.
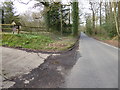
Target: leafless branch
[[24, 2]]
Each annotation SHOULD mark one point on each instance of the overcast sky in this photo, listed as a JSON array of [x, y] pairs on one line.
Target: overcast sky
[[22, 8]]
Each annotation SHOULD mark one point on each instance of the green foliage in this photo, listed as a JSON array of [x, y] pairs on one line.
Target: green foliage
[[26, 40], [107, 29], [109, 26], [89, 25], [7, 13], [38, 41], [55, 13], [67, 28], [75, 17], [110, 29]]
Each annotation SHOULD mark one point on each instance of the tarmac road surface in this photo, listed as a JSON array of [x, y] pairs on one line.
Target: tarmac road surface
[[96, 68]]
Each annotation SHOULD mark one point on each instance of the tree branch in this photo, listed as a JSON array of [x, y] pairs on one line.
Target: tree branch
[[24, 2]]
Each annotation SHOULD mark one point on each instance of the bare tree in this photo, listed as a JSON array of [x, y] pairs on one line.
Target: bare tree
[[94, 8], [100, 13], [119, 14], [24, 2], [106, 11], [116, 18]]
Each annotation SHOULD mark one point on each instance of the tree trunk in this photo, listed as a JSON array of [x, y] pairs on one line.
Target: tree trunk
[[47, 18], [61, 20], [100, 14], [75, 18], [18, 31], [106, 12], [93, 20], [119, 14], [116, 19], [69, 17], [110, 12], [2, 16]]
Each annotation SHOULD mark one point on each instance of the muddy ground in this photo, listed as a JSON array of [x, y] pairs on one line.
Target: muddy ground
[[51, 74]]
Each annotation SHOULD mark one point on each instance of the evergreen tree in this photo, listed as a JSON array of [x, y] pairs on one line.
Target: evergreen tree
[[8, 14], [75, 18]]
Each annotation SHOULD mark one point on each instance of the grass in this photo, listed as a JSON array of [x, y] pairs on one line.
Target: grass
[[103, 38], [37, 41], [106, 39], [26, 41]]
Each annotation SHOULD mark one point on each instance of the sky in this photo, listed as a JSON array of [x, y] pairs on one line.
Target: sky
[[22, 8]]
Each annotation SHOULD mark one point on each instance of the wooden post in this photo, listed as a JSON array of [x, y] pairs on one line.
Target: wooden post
[[18, 29], [69, 17], [2, 16]]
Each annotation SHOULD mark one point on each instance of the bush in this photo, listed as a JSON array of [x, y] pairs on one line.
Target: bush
[[110, 29]]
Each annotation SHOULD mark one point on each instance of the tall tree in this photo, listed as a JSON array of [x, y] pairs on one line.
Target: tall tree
[[88, 23], [94, 8], [116, 18], [8, 13], [55, 15], [106, 11], [75, 17], [46, 4], [93, 14], [110, 12], [100, 13], [119, 15]]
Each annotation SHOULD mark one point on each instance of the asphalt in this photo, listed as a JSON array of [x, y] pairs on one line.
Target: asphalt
[[17, 62], [22, 69], [96, 68], [50, 74]]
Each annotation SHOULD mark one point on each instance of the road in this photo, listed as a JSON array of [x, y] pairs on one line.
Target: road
[[96, 68]]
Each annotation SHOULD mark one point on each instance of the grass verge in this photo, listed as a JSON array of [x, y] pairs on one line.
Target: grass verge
[[112, 41], [38, 41]]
